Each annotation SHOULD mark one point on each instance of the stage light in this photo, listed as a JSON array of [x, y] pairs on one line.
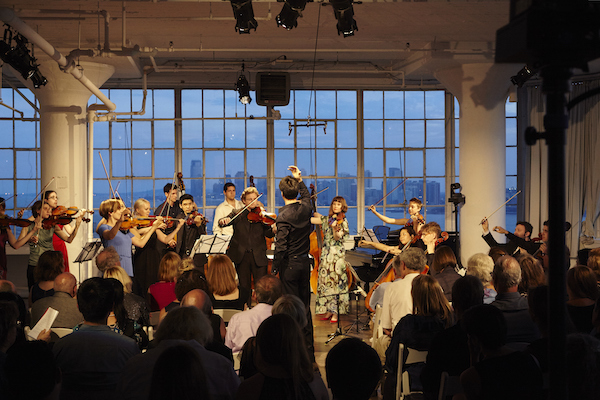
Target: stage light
[[344, 13], [244, 16], [243, 88], [19, 58], [288, 17], [523, 76]]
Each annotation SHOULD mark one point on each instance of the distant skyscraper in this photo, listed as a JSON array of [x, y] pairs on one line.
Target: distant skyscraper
[[195, 188]]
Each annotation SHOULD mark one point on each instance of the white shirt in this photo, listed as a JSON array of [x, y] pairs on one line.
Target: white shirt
[[397, 301], [223, 210], [244, 325]]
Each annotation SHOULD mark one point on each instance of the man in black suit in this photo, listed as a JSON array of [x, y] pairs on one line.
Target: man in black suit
[[523, 231], [248, 248]]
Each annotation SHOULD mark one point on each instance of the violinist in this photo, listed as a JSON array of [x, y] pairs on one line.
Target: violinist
[[7, 236], [191, 231], [522, 234], [51, 198], [114, 212], [42, 241], [248, 247], [169, 208], [225, 208], [147, 259], [333, 278], [414, 211], [407, 234]]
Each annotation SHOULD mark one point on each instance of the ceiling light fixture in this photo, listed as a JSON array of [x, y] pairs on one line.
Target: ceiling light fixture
[[244, 16], [344, 13], [288, 17], [243, 88], [19, 58]]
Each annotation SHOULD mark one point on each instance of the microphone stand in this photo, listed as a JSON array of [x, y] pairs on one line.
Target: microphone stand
[[357, 320]]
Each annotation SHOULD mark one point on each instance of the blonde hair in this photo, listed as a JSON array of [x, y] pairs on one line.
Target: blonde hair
[[429, 300], [187, 264], [138, 204], [480, 266], [247, 191], [168, 270], [221, 275], [109, 206], [119, 274]]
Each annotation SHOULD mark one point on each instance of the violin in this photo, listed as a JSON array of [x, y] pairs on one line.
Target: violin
[[192, 217], [339, 218], [6, 221], [259, 214], [420, 219], [53, 220]]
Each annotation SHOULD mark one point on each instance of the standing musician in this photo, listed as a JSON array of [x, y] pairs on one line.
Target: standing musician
[[169, 208], [7, 236], [292, 244], [248, 247], [415, 218], [114, 213], [224, 209], [523, 231], [51, 198], [333, 278], [194, 227], [43, 240]]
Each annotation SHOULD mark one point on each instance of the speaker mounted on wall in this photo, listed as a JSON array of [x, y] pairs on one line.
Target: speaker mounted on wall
[[272, 88]]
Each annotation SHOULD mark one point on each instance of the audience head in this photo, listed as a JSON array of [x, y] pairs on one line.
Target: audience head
[[31, 372], [189, 280], [7, 286], [292, 306], [187, 264], [537, 299], [345, 380], [185, 323], [247, 365], [429, 300], [96, 298], [481, 266], [119, 274], [467, 292], [49, 266], [413, 259], [107, 258], [168, 270], [532, 273], [199, 299], [9, 314], [289, 187], [21, 308], [497, 252], [506, 275], [220, 275], [485, 324], [582, 284], [268, 289], [179, 374], [67, 283], [593, 262], [443, 258]]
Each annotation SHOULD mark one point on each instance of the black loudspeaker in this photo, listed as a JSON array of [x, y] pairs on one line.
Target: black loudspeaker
[[272, 88]]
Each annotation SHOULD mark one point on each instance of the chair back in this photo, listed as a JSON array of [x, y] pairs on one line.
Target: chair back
[[226, 313], [402, 379], [449, 386]]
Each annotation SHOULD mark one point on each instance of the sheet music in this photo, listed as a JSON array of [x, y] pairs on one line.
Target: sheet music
[[369, 235], [89, 251], [211, 244], [44, 323]]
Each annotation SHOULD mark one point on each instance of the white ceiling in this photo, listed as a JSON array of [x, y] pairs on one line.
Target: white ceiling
[[194, 43]]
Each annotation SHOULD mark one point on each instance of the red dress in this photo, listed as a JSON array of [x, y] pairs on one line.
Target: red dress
[[163, 293], [59, 245]]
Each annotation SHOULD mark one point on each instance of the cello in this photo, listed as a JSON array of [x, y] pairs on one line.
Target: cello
[[316, 244]]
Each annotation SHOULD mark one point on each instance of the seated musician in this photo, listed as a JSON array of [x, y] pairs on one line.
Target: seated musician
[[430, 233], [414, 210], [407, 234]]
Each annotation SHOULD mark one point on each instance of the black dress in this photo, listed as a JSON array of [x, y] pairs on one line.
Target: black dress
[[145, 266], [235, 304]]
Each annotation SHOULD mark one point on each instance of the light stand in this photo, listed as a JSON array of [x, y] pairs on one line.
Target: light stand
[[456, 198]]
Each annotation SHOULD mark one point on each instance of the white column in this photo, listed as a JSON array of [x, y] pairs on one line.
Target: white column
[[63, 138], [481, 90]]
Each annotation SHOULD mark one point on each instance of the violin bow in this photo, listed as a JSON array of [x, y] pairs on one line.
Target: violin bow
[[320, 191], [496, 210], [390, 192], [42, 191], [7, 199], [112, 192], [245, 208]]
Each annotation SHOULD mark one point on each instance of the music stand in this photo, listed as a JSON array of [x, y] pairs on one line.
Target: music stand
[[88, 253], [211, 244]]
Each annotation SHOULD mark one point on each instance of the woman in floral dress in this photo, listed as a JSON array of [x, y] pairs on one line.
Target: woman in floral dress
[[332, 266]]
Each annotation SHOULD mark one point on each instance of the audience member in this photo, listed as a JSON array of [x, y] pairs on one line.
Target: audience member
[[163, 292], [583, 292], [188, 280], [49, 266], [506, 278], [283, 364], [8, 333], [135, 306], [107, 258], [63, 301], [245, 324], [496, 253], [345, 380], [119, 321], [32, 373], [431, 314], [537, 299], [291, 305], [7, 286], [532, 273], [179, 375], [226, 293], [23, 315], [593, 262], [444, 269], [449, 350], [481, 266], [502, 373], [583, 367], [184, 325], [247, 356], [92, 358]]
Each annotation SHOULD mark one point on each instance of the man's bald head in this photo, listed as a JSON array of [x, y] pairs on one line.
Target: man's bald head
[[199, 299], [66, 282], [7, 286]]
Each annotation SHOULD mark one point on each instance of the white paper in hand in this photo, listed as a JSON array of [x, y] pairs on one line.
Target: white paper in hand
[[44, 323]]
